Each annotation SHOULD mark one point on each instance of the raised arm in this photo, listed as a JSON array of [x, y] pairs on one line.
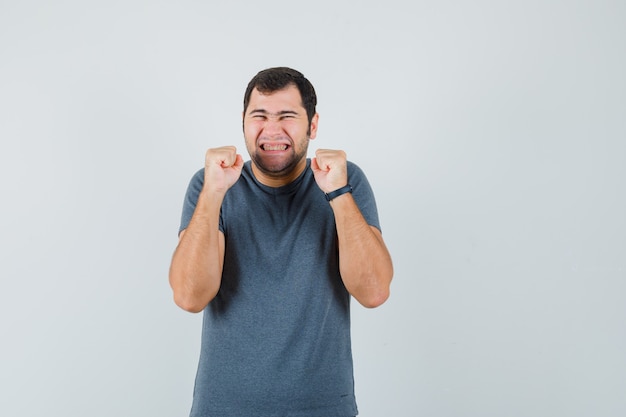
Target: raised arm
[[364, 261], [196, 270]]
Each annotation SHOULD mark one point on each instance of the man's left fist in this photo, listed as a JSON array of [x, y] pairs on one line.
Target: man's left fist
[[330, 169]]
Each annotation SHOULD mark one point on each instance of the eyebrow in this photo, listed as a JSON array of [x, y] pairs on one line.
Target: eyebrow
[[280, 113]]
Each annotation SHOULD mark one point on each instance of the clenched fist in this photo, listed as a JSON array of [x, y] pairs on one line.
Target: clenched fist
[[330, 169], [222, 168]]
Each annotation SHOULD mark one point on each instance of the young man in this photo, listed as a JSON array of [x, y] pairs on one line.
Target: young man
[[271, 250]]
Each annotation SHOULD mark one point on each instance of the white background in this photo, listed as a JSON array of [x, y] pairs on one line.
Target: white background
[[493, 133]]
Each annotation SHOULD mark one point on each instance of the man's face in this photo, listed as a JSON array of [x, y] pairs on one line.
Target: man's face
[[276, 130]]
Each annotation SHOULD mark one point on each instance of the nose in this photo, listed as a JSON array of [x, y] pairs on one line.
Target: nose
[[272, 126]]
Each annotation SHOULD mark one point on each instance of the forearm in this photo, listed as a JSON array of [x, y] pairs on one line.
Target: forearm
[[196, 269], [364, 261]]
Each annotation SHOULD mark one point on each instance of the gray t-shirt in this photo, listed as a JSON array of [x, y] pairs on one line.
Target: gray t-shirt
[[276, 338]]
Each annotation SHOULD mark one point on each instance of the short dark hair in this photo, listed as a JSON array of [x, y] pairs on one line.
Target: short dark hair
[[275, 79]]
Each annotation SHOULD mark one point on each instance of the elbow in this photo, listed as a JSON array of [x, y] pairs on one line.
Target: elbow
[[375, 295], [379, 293], [193, 300], [375, 298], [189, 304]]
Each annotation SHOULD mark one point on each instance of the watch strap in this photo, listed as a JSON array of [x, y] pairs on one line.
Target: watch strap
[[338, 192]]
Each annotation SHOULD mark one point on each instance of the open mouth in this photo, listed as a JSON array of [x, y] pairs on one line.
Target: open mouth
[[274, 147]]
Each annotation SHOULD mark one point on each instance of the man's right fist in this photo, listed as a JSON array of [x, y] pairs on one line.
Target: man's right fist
[[222, 168]]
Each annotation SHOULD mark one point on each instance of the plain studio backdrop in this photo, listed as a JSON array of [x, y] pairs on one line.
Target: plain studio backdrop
[[492, 132]]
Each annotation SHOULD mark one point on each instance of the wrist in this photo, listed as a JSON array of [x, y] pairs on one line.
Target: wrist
[[212, 195]]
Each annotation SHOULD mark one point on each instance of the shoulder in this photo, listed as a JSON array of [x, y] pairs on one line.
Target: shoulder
[[196, 182], [355, 173], [353, 167], [198, 175]]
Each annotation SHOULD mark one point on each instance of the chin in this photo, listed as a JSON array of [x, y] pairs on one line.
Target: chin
[[276, 169]]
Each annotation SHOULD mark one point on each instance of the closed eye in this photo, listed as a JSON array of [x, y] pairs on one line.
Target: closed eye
[[262, 115]]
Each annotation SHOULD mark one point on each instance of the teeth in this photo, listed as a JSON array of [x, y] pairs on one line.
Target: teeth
[[277, 147]]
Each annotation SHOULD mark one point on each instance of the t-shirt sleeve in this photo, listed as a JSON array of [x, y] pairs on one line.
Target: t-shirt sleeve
[[363, 195]]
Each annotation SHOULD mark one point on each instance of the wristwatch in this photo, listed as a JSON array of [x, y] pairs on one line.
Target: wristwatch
[[338, 192]]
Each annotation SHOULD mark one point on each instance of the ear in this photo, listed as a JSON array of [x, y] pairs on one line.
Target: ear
[[313, 127]]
